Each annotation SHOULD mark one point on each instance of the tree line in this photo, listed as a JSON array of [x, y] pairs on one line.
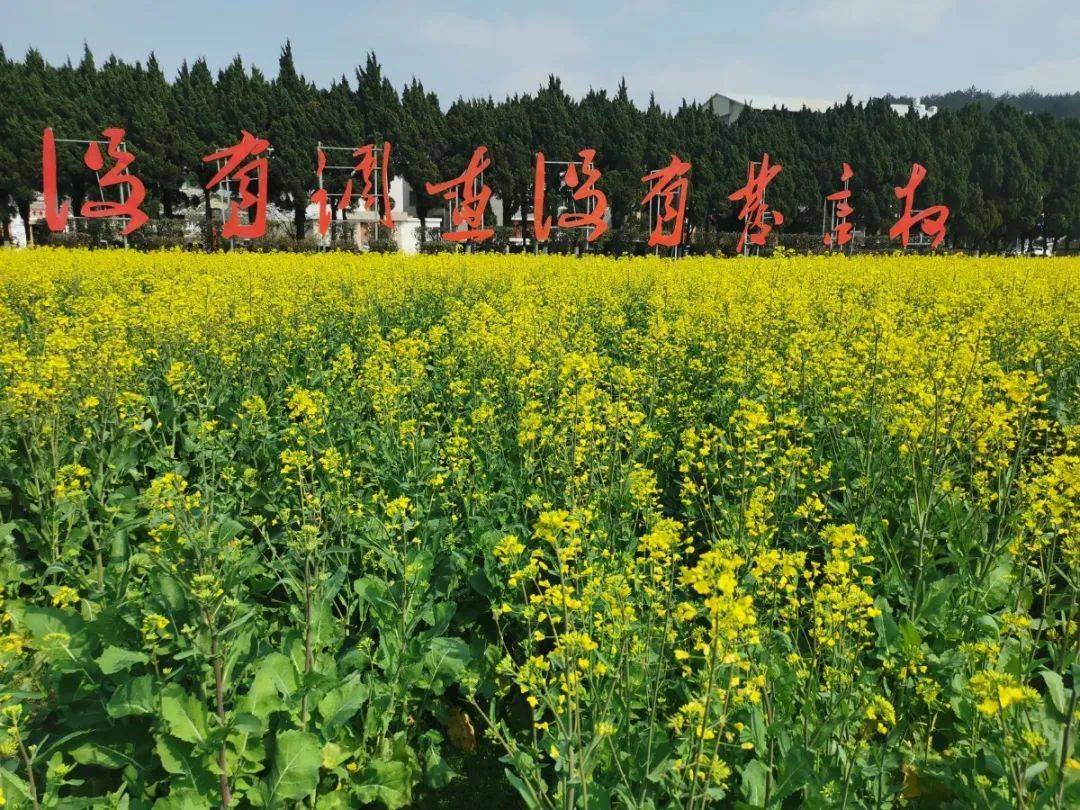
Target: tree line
[[1006, 175], [1059, 105]]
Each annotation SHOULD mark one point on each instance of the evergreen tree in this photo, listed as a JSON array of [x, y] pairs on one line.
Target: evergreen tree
[[1007, 176], [155, 139], [200, 128], [421, 146], [28, 103], [293, 110]]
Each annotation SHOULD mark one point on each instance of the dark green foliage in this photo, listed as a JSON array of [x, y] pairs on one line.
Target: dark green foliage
[[1008, 167]]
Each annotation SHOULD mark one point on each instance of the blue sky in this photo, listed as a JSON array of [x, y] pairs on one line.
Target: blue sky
[[810, 49]]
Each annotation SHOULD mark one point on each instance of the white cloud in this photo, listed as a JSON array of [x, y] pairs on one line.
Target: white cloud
[[1047, 76], [881, 17]]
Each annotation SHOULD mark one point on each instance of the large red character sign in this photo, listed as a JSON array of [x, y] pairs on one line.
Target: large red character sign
[[931, 220], [368, 161], [131, 190], [841, 228], [756, 226], [668, 187], [583, 189], [234, 167], [468, 197]]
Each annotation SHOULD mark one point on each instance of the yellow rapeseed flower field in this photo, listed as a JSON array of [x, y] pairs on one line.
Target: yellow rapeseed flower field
[[348, 530]]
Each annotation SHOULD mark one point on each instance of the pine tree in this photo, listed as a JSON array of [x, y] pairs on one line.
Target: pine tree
[[421, 146], [200, 128], [293, 111]]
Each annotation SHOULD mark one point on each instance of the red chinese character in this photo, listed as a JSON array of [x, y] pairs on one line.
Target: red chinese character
[[365, 168], [840, 233], [321, 198], [754, 207], [541, 223], [583, 191], [56, 216], [470, 205], [669, 187], [116, 175], [129, 204], [932, 220], [247, 150]]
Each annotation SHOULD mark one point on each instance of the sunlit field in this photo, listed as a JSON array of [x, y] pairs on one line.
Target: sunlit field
[[343, 530]]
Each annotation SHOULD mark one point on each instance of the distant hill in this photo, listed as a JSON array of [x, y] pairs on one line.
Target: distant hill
[[1059, 105]]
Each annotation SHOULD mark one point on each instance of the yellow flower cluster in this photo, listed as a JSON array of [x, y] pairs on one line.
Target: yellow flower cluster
[[719, 509], [997, 691]]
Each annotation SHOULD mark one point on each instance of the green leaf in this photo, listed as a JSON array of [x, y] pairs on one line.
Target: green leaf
[[437, 771], [275, 678], [388, 782], [753, 782], [115, 659], [524, 791], [180, 760], [14, 787], [333, 755], [60, 634], [246, 723], [910, 634], [296, 765], [184, 715], [341, 703], [795, 770], [374, 593], [1055, 688], [935, 608], [1034, 770], [171, 593], [444, 661], [335, 800], [998, 585], [183, 799], [102, 756], [132, 697]]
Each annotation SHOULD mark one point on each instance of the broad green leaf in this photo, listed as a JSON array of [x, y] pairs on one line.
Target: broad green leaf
[[14, 787], [388, 782], [183, 799], [796, 768], [1055, 688], [910, 634], [341, 703], [171, 592], [180, 760], [115, 660], [296, 765], [60, 634], [935, 607], [246, 723], [444, 661], [753, 782], [132, 697], [275, 679], [374, 593], [334, 800], [437, 771], [524, 791], [103, 756], [184, 714], [1034, 770], [998, 585], [333, 755]]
